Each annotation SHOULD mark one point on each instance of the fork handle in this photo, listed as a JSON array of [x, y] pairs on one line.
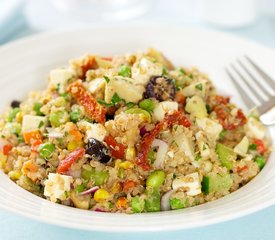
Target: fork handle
[[268, 118]]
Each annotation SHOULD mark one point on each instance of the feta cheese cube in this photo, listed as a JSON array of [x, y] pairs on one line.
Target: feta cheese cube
[[212, 128], [59, 77], [162, 108], [191, 182], [124, 88], [242, 147], [93, 130], [57, 186], [31, 123], [144, 69], [255, 128], [96, 85], [197, 88], [186, 145]]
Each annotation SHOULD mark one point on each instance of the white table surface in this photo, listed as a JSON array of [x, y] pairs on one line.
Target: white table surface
[[258, 226]]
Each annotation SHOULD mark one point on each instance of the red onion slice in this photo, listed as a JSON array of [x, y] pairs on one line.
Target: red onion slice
[[162, 150], [142, 131], [89, 191], [165, 201]]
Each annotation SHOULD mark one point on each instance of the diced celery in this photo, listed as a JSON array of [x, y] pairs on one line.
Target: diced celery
[[216, 183], [137, 204], [226, 155]]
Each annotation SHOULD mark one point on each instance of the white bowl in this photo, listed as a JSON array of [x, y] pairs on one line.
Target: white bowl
[[24, 66]]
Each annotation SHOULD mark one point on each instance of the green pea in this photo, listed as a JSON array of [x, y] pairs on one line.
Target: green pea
[[124, 71], [152, 201], [13, 114], [147, 104], [46, 150], [58, 118], [176, 203], [75, 115], [137, 204], [36, 107], [260, 161], [155, 179]]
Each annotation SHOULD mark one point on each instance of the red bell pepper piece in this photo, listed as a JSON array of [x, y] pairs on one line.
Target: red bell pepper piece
[[117, 149], [66, 163]]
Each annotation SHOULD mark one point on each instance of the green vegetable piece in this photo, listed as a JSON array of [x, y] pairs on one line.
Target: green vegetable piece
[[147, 104], [13, 114], [216, 183], [137, 204], [176, 203], [106, 79], [208, 108], [260, 161], [46, 150], [79, 188], [58, 118], [226, 155], [155, 179], [151, 156], [116, 99], [98, 177], [124, 71], [144, 114], [29, 185], [130, 105], [75, 115], [36, 108], [152, 201]]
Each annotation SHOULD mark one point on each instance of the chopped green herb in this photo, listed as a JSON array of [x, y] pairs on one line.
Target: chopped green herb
[[124, 71], [164, 71], [36, 107], [198, 157], [102, 102], [222, 134], [130, 105], [116, 99], [199, 86], [208, 108], [75, 115], [41, 124], [260, 161], [182, 71], [106, 79], [252, 146]]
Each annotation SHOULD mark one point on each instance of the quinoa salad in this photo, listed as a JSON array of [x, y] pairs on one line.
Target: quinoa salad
[[130, 134]]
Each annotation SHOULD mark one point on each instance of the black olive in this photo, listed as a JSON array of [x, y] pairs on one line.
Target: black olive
[[98, 151], [161, 88], [15, 104]]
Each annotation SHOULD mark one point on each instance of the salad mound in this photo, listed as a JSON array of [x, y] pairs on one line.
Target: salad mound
[[130, 134]]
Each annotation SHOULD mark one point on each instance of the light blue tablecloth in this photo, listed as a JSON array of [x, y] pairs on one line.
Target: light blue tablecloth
[[258, 226]]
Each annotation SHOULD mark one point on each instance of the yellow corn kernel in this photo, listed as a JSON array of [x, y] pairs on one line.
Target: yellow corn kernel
[[130, 153], [73, 145], [19, 117], [101, 195], [126, 165], [117, 162], [14, 175], [116, 187], [3, 160]]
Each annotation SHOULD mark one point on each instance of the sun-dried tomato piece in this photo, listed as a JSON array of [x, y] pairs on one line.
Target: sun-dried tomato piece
[[89, 63], [146, 142], [93, 109]]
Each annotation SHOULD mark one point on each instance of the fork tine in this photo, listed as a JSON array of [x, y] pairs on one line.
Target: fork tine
[[265, 76], [248, 102], [258, 96], [254, 79]]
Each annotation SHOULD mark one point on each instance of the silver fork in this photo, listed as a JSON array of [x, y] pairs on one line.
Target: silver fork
[[242, 77]]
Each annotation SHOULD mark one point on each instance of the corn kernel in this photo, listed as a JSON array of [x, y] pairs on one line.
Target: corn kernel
[[117, 162], [116, 188], [19, 117], [73, 145], [130, 153], [101, 195], [3, 160], [14, 175], [126, 165]]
